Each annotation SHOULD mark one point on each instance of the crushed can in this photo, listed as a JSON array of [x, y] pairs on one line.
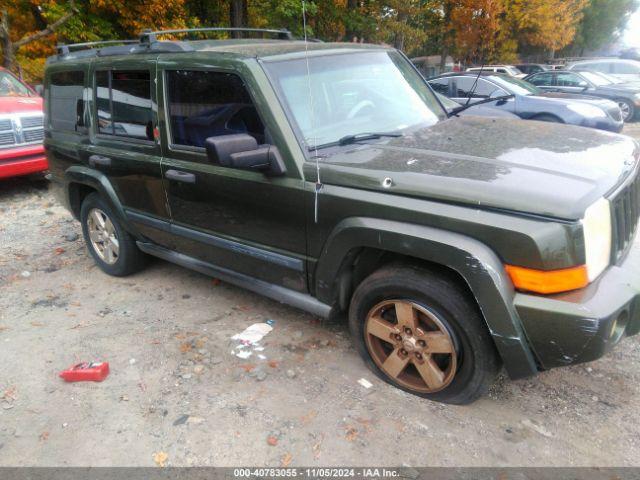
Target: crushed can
[[86, 372]]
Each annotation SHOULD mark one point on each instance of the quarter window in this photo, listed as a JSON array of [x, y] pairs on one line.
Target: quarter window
[[203, 104], [569, 80], [123, 103], [66, 104], [483, 89], [543, 79]]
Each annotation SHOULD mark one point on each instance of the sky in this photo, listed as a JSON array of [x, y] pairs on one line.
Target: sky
[[631, 36]]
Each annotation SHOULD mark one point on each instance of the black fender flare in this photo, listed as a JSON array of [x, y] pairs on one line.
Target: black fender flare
[[100, 182], [476, 263]]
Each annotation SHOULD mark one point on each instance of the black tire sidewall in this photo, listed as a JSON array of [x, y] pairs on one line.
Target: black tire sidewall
[[632, 109], [477, 358], [128, 256]]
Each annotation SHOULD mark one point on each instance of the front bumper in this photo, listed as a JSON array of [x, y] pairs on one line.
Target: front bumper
[[583, 325], [22, 161]]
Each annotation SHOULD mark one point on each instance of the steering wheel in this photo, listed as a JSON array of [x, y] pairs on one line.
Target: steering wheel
[[361, 105]]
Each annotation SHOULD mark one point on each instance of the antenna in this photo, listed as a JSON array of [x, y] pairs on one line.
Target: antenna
[[318, 185], [475, 83]]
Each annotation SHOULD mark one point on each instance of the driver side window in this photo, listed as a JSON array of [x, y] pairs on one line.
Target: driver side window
[[202, 104]]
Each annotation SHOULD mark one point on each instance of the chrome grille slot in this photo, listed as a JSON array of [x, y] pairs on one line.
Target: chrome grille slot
[[31, 122], [6, 138], [626, 210], [5, 125], [33, 135]]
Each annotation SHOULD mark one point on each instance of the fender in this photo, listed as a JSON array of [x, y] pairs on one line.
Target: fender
[[476, 263], [100, 182]]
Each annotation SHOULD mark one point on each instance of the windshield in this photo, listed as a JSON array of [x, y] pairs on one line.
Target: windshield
[[517, 86], [596, 78], [351, 94], [10, 86], [514, 70]]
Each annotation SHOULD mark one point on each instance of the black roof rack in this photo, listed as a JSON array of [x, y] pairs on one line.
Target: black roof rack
[[148, 42], [148, 36]]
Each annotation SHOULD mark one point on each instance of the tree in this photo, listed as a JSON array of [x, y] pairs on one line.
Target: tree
[[602, 22], [10, 46], [476, 24]]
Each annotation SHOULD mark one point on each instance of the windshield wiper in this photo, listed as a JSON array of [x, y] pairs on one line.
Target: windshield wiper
[[349, 139], [457, 110]]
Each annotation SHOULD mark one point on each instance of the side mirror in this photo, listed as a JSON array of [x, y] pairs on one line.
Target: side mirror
[[243, 152]]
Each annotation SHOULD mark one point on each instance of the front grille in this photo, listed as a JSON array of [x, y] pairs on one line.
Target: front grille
[[6, 138], [31, 122], [18, 130], [625, 213], [33, 135]]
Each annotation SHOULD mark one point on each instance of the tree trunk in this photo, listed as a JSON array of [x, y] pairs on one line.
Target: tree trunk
[[398, 40], [238, 15], [445, 35], [5, 39], [351, 34]]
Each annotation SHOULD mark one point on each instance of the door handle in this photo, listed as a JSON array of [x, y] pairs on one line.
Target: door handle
[[99, 160], [179, 176]]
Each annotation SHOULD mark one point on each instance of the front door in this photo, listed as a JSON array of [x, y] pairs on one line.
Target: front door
[[123, 147], [241, 220]]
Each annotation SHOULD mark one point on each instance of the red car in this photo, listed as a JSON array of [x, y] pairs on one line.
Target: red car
[[21, 128]]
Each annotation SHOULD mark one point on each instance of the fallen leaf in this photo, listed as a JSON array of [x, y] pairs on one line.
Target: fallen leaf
[[37, 324], [160, 458], [272, 440], [273, 363], [316, 450], [3, 328], [9, 394], [44, 436], [286, 460], [248, 367], [59, 251], [185, 347], [352, 434], [305, 419]]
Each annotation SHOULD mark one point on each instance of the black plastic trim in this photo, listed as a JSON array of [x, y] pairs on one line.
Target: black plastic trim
[[299, 300]]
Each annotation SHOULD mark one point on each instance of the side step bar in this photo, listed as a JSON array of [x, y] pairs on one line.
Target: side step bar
[[299, 300]]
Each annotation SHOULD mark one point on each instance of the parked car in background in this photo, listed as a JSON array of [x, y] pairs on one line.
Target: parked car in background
[[529, 102], [627, 96], [529, 68], [21, 128], [503, 69], [624, 69]]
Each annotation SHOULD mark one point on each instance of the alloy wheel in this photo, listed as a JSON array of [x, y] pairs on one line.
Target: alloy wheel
[[411, 345], [103, 237], [625, 109]]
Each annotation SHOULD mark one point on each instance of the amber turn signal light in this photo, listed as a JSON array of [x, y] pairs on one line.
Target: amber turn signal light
[[551, 281]]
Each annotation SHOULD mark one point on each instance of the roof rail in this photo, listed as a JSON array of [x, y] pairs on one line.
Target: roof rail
[[63, 49], [149, 36]]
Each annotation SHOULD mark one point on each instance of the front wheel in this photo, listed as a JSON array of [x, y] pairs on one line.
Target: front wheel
[[627, 109], [421, 332]]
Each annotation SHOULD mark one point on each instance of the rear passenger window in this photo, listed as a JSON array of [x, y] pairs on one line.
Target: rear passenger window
[[542, 79], [66, 104], [203, 104], [441, 86], [123, 103]]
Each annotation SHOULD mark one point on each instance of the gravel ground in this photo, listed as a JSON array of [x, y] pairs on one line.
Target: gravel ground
[[177, 396]]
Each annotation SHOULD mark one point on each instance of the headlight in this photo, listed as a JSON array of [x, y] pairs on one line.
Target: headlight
[[596, 225], [586, 110]]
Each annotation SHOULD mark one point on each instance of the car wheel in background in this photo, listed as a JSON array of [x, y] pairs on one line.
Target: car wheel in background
[[627, 108], [423, 333], [111, 246]]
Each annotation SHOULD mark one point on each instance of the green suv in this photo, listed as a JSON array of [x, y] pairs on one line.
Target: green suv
[[329, 177]]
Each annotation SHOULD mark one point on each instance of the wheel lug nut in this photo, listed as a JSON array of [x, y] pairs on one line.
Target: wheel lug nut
[[398, 337], [407, 331], [403, 351], [418, 356], [422, 343]]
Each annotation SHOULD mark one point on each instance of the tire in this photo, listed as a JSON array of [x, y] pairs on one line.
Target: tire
[[628, 109], [129, 258], [547, 118], [470, 368]]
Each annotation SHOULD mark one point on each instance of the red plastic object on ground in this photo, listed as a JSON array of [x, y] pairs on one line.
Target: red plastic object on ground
[[86, 372]]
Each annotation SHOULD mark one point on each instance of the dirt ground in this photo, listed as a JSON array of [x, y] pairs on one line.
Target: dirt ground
[[176, 394]]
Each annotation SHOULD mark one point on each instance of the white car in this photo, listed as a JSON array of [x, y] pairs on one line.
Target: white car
[[627, 70], [504, 69]]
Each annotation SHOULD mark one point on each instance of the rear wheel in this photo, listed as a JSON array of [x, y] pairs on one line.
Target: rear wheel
[[627, 108], [111, 246], [421, 332]]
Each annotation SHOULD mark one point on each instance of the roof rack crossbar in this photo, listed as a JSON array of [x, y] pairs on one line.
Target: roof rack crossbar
[[65, 49], [149, 36]]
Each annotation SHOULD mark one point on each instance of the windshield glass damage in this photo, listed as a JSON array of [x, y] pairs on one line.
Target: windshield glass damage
[[347, 95]]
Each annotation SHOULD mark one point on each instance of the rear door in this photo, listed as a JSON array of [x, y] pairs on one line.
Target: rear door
[[569, 82], [241, 220], [544, 81], [123, 145]]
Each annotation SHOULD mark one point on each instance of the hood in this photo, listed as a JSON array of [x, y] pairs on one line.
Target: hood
[[567, 98], [20, 104], [628, 88], [531, 167]]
